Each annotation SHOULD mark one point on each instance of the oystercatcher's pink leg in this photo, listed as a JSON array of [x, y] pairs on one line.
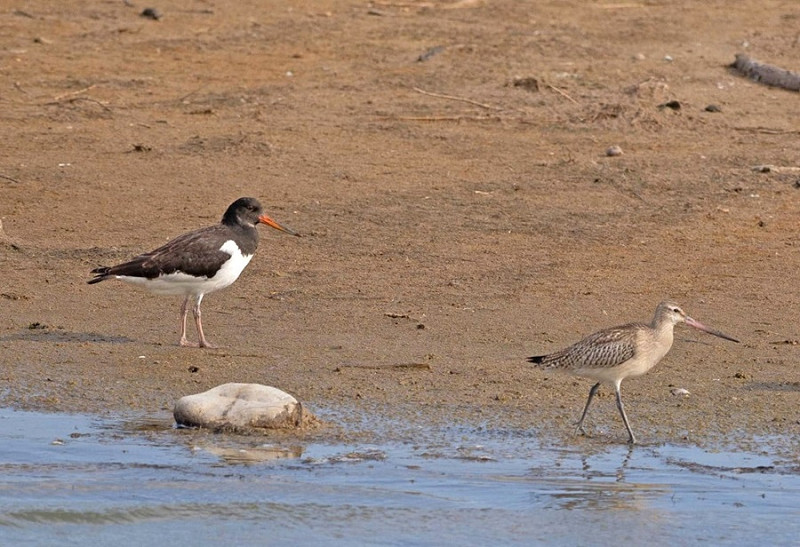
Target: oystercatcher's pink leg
[[184, 312], [197, 319]]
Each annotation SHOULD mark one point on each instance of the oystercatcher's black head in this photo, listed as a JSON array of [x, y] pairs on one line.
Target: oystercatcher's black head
[[248, 212]]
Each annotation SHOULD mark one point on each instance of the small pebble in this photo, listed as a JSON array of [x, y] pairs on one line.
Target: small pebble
[[426, 55], [151, 13], [528, 83], [680, 391], [713, 108], [613, 151], [674, 105]]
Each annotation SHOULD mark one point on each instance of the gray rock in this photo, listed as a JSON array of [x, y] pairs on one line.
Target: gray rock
[[242, 408]]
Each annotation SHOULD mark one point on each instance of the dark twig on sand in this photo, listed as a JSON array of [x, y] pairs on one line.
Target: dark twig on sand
[[454, 98], [766, 74], [9, 178]]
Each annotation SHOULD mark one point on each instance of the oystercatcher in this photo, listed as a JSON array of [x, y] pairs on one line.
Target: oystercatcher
[[198, 262]]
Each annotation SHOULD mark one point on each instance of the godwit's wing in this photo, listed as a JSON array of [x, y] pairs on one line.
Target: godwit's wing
[[604, 349]]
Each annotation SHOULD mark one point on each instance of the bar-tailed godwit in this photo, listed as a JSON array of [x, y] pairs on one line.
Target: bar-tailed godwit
[[611, 355]]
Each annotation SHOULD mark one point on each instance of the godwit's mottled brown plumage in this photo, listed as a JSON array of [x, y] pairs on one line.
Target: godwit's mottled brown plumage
[[611, 355]]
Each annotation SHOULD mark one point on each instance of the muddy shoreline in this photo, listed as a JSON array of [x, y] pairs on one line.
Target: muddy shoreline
[[454, 223]]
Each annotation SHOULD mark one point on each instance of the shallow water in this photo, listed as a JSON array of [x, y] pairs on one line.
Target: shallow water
[[73, 479]]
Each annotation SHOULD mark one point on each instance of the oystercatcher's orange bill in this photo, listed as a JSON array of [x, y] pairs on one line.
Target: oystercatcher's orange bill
[[264, 219]]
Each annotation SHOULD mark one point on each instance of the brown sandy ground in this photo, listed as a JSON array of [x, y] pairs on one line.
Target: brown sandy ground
[[459, 210]]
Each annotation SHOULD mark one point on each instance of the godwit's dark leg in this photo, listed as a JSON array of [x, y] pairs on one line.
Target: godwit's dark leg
[[632, 439], [586, 408]]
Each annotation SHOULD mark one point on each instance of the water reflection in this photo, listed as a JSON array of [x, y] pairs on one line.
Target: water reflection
[[143, 479], [593, 480], [256, 454]]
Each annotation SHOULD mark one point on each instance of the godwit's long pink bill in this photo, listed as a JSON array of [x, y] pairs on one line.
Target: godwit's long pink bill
[[698, 325], [611, 355]]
